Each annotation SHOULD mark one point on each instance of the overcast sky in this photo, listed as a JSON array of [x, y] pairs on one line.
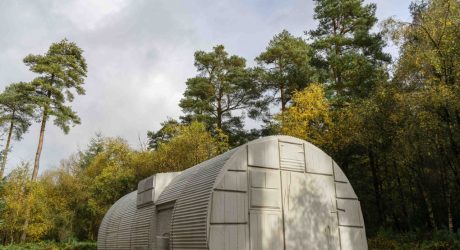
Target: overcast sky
[[139, 55]]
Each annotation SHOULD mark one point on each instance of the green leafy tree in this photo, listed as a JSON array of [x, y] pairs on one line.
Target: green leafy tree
[[348, 54], [61, 70], [66, 194], [95, 147], [167, 131], [286, 66], [399, 144], [17, 111], [224, 85], [427, 76], [429, 44], [349, 59], [108, 177]]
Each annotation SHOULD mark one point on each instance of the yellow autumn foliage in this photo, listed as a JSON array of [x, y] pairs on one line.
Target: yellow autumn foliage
[[191, 145], [24, 200], [308, 117]]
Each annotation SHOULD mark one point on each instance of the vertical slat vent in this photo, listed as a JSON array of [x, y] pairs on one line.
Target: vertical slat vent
[[292, 156], [145, 191]]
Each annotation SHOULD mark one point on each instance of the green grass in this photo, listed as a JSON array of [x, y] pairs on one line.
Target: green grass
[[384, 240], [47, 245]]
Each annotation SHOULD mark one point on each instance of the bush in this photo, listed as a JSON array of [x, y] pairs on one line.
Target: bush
[[439, 240]]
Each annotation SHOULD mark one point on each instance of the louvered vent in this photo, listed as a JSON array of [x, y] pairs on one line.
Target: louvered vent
[[145, 192]]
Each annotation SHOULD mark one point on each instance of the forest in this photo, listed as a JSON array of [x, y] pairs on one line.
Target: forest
[[392, 124]]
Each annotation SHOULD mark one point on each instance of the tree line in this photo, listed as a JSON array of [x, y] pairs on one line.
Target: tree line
[[392, 125]]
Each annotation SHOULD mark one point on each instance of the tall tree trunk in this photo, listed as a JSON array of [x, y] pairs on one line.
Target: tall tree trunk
[[219, 119], [26, 225], [419, 173], [450, 220], [402, 199], [282, 89], [219, 111], [450, 124], [429, 207], [7, 147], [36, 166], [283, 98], [376, 183], [40, 143], [445, 186]]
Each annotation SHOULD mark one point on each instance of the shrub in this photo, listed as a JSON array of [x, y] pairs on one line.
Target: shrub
[[439, 240]]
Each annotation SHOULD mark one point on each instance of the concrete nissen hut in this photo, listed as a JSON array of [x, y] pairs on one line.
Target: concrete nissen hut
[[273, 193]]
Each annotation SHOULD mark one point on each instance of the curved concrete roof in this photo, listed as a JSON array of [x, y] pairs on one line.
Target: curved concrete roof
[[191, 193], [175, 189]]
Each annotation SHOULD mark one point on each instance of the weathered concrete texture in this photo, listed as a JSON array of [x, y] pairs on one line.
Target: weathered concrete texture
[[276, 192]]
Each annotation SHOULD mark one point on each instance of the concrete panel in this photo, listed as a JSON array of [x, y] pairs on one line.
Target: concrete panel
[[317, 161], [162, 180], [257, 178], [217, 237], [353, 238], [146, 184], [239, 161], [272, 179], [349, 213], [309, 206], [334, 240], [234, 181], [162, 243], [338, 173], [263, 154], [145, 191], [322, 187], [163, 226], [344, 190], [292, 156], [139, 199], [228, 237], [145, 198], [150, 188], [264, 178], [265, 198], [229, 207], [266, 230], [140, 186]]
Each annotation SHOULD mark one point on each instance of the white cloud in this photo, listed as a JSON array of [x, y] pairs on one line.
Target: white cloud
[[89, 14], [139, 55]]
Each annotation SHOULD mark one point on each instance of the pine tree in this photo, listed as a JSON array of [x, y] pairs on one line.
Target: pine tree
[[286, 66], [224, 85], [17, 111], [61, 70], [349, 55]]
